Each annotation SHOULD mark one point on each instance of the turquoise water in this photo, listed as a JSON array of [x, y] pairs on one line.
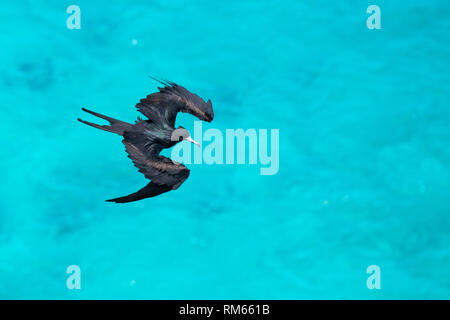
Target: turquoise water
[[364, 175]]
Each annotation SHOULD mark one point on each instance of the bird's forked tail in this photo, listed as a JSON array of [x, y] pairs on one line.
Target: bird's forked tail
[[116, 126]]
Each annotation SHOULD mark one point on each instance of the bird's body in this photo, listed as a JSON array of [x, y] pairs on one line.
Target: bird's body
[[145, 139]]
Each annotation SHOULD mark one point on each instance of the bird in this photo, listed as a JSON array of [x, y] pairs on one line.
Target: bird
[[145, 139]]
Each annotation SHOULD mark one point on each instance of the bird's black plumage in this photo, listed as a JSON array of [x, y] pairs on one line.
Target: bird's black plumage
[[162, 107], [145, 139]]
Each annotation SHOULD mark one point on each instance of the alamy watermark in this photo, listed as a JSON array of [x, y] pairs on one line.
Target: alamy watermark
[[74, 280], [240, 147], [374, 20], [74, 20], [374, 280]]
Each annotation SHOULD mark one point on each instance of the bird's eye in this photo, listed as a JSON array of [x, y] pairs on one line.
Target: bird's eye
[[180, 138]]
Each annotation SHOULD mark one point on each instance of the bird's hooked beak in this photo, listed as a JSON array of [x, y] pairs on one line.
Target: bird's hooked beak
[[192, 140]]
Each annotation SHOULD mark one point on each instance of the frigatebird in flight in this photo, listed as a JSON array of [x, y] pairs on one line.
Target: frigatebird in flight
[[145, 139]]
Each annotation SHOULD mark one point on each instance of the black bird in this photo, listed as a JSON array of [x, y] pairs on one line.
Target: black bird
[[145, 139]]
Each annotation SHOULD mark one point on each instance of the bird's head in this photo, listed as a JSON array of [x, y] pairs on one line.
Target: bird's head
[[180, 134]]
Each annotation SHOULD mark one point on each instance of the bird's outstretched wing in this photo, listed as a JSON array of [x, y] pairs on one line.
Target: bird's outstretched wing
[[162, 107], [159, 169], [150, 190], [164, 173]]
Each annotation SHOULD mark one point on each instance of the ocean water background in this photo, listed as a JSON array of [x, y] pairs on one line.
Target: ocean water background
[[364, 173]]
